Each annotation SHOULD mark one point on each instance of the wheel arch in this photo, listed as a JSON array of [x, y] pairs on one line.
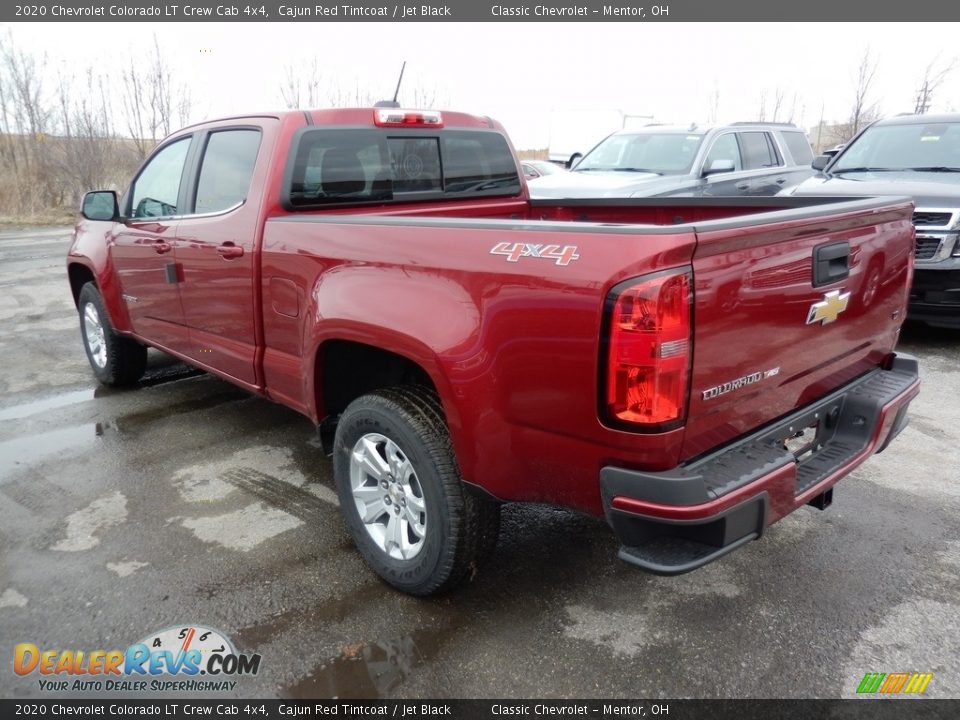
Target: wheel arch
[[80, 272], [345, 369], [391, 360], [79, 275]]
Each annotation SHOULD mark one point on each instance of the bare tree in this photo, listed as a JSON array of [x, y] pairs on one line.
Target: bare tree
[[863, 110], [153, 103], [25, 77], [420, 96], [762, 111], [302, 86], [818, 146], [713, 104], [290, 89], [777, 103], [933, 78], [796, 114], [340, 96], [27, 119], [87, 152], [7, 148]]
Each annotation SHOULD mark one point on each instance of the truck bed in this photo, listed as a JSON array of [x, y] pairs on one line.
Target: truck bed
[[521, 336]]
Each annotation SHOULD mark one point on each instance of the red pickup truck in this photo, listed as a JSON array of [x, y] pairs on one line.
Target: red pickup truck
[[691, 369]]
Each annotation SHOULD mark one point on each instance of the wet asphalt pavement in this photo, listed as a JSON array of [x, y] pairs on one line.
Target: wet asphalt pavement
[[186, 501]]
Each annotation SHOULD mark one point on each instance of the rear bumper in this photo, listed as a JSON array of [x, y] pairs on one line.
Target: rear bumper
[[935, 297], [676, 521]]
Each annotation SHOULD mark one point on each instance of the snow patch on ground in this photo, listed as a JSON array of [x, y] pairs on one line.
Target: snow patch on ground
[[244, 529], [128, 567], [11, 598], [84, 525]]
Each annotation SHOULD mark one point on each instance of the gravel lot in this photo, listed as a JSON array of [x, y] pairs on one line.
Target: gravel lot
[[186, 501]]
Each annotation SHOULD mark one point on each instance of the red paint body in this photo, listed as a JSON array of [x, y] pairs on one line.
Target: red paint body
[[513, 348]]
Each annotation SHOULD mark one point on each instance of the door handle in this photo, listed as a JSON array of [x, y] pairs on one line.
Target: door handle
[[781, 181], [228, 250], [161, 247], [831, 263], [743, 186]]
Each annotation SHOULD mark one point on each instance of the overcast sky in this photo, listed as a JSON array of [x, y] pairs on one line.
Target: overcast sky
[[520, 72]]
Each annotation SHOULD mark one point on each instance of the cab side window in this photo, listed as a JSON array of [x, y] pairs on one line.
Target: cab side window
[[725, 148], [758, 151], [156, 190], [226, 170]]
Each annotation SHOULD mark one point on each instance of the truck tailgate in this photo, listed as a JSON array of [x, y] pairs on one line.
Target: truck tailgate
[[785, 312]]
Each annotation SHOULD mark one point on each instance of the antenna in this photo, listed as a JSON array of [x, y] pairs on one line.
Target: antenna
[[399, 80], [393, 103]]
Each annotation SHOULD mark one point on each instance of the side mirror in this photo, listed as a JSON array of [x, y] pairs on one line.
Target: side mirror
[[821, 161], [100, 205], [718, 166]]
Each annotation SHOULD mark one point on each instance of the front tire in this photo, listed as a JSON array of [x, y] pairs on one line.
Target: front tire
[[114, 359], [402, 496]]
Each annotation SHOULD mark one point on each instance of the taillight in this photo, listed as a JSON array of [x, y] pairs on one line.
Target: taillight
[[648, 351]]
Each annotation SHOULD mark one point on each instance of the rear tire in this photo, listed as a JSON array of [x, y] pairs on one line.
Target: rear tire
[[114, 359], [401, 494]]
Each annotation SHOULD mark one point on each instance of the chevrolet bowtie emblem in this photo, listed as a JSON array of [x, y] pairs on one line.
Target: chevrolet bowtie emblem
[[826, 311]]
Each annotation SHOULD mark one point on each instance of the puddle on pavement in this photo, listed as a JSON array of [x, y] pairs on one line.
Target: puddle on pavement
[[331, 610], [24, 452], [128, 422], [18, 412], [125, 421], [372, 670], [159, 375]]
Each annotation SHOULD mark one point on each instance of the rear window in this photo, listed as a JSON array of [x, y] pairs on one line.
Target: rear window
[[226, 170], [799, 147], [365, 165]]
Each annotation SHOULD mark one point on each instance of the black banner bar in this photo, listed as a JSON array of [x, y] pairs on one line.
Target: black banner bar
[[860, 709], [650, 11]]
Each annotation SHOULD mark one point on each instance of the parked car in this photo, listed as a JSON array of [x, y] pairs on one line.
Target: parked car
[[742, 159], [573, 132], [533, 169], [383, 272], [919, 156]]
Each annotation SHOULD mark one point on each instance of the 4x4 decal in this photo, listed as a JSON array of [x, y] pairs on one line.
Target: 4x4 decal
[[562, 254]]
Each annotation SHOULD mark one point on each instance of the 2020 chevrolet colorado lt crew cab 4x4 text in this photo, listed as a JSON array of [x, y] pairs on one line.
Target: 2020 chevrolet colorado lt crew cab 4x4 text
[[693, 370]]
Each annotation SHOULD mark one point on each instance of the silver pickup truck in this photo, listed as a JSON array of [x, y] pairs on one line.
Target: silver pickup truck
[[919, 156]]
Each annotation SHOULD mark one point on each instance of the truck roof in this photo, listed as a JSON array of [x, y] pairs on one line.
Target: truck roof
[[695, 129], [920, 119], [353, 116]]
